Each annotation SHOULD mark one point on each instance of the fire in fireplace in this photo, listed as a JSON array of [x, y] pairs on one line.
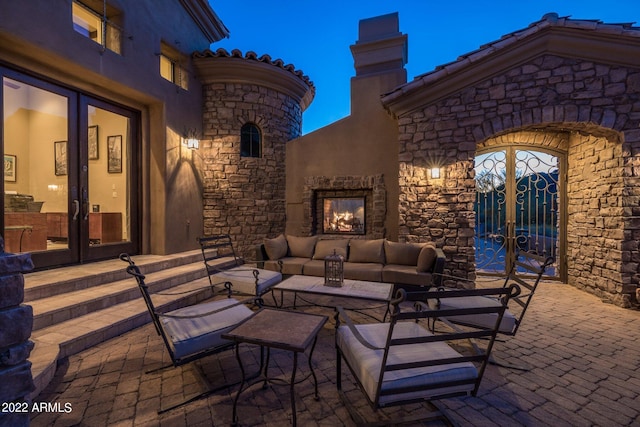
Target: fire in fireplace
[[343, 215]]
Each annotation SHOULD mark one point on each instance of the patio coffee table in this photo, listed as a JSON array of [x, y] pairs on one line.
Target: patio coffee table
[[281, 329], [356, 290]]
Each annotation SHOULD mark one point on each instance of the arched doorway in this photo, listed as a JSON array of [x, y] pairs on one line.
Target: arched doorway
[[520, 204]]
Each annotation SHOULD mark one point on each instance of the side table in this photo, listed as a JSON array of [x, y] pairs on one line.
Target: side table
[[285, 330]]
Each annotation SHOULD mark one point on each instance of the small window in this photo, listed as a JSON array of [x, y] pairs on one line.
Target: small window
[[171, 69], [97, 27], [250, 141]]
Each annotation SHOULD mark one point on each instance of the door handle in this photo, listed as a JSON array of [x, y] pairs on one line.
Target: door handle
[[76, 209], [85, 204]]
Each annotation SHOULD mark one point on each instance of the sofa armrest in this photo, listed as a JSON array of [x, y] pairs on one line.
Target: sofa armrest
[[438, 267], [261, 255]]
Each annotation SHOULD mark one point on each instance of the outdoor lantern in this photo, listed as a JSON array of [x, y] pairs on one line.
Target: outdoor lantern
[[435, 173], [334, 270]]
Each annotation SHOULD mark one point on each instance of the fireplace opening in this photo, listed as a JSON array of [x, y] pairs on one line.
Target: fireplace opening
[[343, 215]]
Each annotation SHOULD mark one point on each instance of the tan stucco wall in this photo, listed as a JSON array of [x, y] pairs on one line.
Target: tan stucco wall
[[37, 37], [364, 143]]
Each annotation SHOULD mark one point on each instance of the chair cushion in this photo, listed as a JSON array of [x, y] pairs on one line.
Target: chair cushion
[[402, 253], [276, 248], [188, 336], [243, 280], [426, 259], [367, 363], [366, 251], [290, 265], [488, 320], [405, 274], [301, 246], [324, 248], [367, 271]]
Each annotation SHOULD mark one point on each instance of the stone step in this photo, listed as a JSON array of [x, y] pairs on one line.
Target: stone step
[[60, 308], [70, 322], [48, 283]]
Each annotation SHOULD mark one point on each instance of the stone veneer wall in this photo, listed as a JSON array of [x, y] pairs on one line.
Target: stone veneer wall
[[16, 323], [376, 203], [245, 197], [601, 103]]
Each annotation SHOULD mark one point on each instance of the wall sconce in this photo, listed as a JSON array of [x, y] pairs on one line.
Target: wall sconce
[[191, 143], [435, 173]]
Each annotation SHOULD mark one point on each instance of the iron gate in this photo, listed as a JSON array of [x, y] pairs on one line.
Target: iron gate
[[517, 207]]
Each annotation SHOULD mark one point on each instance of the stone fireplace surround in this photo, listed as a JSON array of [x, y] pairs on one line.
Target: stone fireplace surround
[[372, 187]]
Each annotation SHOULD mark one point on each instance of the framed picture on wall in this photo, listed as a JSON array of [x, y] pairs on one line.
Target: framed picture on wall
[[60, 157], [94, 152], [114, 154], [10, 167]]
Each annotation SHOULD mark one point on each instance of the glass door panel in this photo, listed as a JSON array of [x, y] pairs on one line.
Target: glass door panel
[[36, 169]]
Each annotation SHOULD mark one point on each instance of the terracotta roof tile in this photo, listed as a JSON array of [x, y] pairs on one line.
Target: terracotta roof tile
[[252, 56]]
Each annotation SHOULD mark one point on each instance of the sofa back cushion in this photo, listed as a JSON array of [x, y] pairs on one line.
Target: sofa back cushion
[[276, 248], [402, 253], [426, 259], [324, 248], [301, 247], [367, 251]]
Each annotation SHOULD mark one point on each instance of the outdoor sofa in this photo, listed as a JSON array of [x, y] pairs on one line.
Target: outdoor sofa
[[379, 260]]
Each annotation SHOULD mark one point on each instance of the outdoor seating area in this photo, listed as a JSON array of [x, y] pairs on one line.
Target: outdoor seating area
[[581, 374]]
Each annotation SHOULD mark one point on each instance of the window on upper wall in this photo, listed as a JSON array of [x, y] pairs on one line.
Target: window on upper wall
[[250, 141], [99, 22], [171, 68]]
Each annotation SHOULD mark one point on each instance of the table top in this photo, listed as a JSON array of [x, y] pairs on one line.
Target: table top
[[375, 291], [287, 330]]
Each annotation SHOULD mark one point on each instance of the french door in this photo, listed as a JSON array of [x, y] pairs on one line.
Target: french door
[[519, 200], [70, 181]]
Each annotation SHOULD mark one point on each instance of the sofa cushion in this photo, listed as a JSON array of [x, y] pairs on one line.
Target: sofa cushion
[[426, 259], [406, 275], [402, 253], [368, 271], [290, 265], [276, 248], [367, 363], [313, 268], [324, 248], [366, 251], [191, 335], [301, 246]]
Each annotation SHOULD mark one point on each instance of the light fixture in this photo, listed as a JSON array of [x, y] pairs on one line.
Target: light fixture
[[191, 143], [435, 173]]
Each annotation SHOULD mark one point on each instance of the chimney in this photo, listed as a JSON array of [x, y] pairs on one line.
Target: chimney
[[380, 48]]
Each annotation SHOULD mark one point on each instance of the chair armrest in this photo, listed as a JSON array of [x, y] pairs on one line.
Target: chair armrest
[[438, 267], [261, 255], [349, 323]]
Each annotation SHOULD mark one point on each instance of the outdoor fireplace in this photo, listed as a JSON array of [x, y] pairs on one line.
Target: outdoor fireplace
[[343, 215]]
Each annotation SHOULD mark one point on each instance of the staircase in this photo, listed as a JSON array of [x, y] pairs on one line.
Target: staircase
[[77, 307]]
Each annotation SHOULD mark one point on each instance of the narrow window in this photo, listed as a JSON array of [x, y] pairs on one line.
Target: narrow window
[[250, 141], [171, 68], [98, 25]]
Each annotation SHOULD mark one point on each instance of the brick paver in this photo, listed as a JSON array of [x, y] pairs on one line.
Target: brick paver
[[583, 354]]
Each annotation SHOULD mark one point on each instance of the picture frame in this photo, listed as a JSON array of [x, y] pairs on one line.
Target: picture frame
[[60, 157], [92, 142], [114, 154], [10, 163]]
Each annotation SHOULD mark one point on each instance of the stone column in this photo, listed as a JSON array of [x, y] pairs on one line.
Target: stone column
[[16, 322]]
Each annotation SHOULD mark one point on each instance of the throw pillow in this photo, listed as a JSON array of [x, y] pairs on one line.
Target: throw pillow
[[276, 248], [426, 259], [301, 247], [324, 248], [402, 253], [366, 251]]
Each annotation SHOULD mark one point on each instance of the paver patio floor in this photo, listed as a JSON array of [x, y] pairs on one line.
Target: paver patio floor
[[584, 357]]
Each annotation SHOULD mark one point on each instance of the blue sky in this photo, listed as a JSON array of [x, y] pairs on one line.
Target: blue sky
[[315, 36]]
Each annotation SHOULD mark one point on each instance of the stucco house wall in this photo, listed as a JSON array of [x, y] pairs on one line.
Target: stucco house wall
[[37, 36]]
